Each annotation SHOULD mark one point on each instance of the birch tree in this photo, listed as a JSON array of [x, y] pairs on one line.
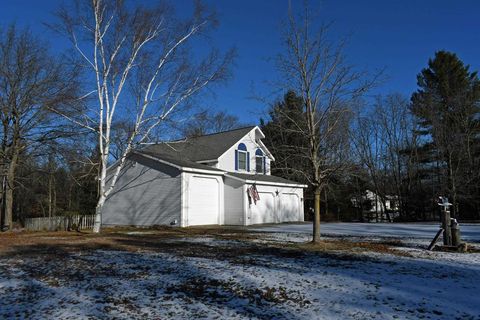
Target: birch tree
[[140, 67], [315, 68]]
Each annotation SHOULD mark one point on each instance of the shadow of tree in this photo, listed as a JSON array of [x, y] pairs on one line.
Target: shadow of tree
[[179, 275]]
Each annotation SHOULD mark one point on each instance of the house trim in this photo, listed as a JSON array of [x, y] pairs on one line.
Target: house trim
[[183, 169], [183, 201], [267, 183], [207, 161], [246, 206], [270, 155]]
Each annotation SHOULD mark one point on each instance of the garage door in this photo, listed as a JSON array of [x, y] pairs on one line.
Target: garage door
[[264, 210], [203, 205], [289, 207]]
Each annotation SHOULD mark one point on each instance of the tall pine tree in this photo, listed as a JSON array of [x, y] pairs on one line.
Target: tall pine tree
[[447, 106], [284, 136]]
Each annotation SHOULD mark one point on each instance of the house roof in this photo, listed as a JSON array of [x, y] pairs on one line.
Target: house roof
[[261, 178], [178, 161], [202, 148], [185, 154]]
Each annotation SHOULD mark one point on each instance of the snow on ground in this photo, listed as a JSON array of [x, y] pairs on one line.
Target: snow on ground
[[470, 232], [208, 277]]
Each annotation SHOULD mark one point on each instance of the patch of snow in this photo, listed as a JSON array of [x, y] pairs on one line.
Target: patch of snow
[[232, 282], [470, 232], [139, 232]]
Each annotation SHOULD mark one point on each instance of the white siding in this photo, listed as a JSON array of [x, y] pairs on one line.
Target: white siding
[[227, 160], [234, 206]]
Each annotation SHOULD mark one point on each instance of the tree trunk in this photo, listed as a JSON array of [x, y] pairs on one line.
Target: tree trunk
[[98, 214], [316, 217], [10, 180], [50, 206], [386, 211], [54, 211], [453, 185], [2, 208], [454, 198], [326, 204]]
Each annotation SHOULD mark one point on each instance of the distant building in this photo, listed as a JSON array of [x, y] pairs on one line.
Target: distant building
[[373, 208]]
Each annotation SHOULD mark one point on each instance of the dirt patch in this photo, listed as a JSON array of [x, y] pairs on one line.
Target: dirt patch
[[465, 248], [11, 241], [209, 242], [347, 246]]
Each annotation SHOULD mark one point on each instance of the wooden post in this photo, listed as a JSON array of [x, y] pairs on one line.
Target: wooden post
[[435, 239], [446, 225], [456, 238]]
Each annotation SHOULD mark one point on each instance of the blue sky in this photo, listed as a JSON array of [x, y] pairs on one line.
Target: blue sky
[[397, 35]]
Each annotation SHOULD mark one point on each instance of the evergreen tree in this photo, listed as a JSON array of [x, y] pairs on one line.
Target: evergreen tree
[[283, 136], [447, 106]]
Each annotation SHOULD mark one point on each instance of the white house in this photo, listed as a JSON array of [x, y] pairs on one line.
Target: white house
[[376, 210], [206, 180]]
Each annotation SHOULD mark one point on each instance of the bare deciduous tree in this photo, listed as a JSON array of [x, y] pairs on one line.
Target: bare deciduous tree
[[142, 67], [384, 142], [31, 82], [206, 122], [315, 68]]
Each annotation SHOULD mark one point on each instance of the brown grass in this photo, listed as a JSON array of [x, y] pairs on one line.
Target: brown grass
[[157, 239], [343, 245], [128, 239]]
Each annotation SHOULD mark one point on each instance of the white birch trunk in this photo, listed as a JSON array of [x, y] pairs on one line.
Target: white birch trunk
[[111, 76], [98, 214]]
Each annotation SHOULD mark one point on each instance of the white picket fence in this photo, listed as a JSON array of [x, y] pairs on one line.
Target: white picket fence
[[60, 223]]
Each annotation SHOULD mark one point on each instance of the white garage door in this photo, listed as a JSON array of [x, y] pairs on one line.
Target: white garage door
[[289, 207], [264, 210], [203, 204]]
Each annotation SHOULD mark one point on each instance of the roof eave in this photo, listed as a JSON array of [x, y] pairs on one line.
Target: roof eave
[[260, 131], [270, 155], [298, 185], [181, 168], [280, 184]]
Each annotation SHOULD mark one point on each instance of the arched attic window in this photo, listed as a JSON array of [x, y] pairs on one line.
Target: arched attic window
[[242, 158], [259, 161]]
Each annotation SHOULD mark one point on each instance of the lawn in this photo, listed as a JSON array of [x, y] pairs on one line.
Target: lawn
[[232, 273]]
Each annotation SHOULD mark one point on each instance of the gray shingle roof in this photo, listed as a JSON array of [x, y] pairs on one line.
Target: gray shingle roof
[[177, 160], [207, 147], [185, 153], [261, 177]]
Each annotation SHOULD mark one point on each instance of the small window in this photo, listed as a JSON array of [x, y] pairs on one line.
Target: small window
[[259, 164], [242, 160], [259, 161]]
